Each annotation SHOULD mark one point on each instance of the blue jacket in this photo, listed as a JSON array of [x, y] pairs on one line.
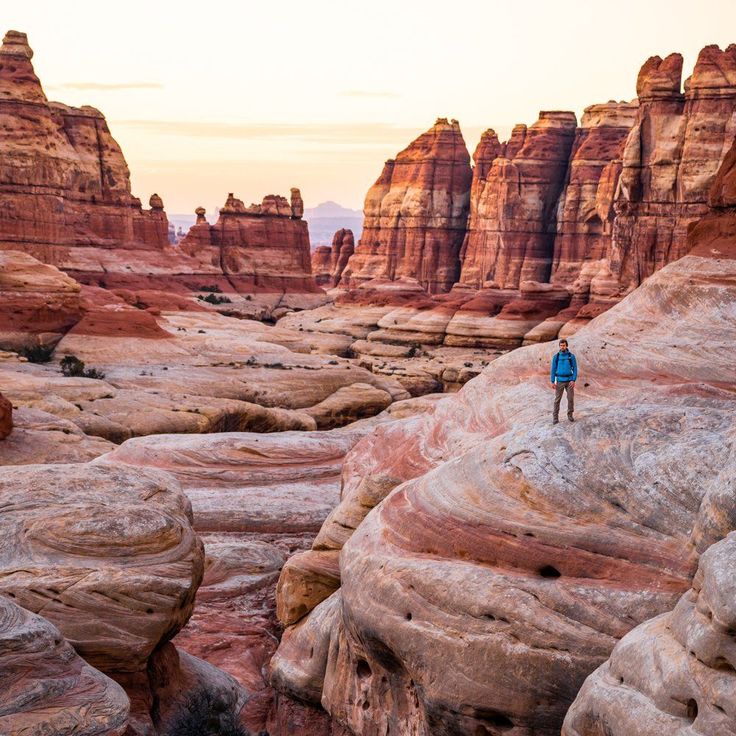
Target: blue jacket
[[564, 367]]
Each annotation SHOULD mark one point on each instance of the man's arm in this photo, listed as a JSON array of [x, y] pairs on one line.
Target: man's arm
[[553, 369]]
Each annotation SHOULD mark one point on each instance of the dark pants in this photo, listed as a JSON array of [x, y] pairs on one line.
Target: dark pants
[[561, 386]]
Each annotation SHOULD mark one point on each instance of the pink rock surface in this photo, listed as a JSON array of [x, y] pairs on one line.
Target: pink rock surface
[[47, 688], [675, 673], [511, 555], [416, 213], [107, 553]]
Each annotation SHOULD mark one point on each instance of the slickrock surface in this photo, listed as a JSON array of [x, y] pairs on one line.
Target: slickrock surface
[[673, 674], [107, 554], [47, 688], [416, 213], [256, 499], [512, 555], [515, 191], [328, 262]]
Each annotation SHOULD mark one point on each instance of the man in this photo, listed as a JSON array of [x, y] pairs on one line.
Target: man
[[563, 375]]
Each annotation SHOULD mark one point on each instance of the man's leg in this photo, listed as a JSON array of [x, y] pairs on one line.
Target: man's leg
[[559, 388], [570, 399]]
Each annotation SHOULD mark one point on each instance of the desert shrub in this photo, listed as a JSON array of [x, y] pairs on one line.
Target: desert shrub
[[215, 289], [213, 299], [37, 353], [207, 715], [72, 367]]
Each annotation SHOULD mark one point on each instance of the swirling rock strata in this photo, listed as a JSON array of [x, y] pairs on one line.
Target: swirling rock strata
[[107, 554], [673, 674], [47, 688], [511, 555]]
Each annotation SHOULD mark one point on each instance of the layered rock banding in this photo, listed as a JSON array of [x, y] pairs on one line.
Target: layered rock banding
[[68, 203], [511, 556], [415, 214], [263, 247], [564, 220], [675, 673], [47, 688], [328, 262]]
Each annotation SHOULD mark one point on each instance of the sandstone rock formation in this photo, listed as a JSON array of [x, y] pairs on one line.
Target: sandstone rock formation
[[37, 302], [47, 688], [256, 499], [511, 556], [416, 213], [68, 203], [670, 160], [258, 248], [76, 536], [328, 262], [675, 673], [585, 212], [66, 183], [513, 206], [563, 220]]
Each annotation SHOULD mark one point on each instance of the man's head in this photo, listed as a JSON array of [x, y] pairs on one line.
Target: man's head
[[563, 345]]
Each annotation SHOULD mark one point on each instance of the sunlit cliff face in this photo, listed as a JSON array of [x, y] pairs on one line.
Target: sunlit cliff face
[[321, 94]]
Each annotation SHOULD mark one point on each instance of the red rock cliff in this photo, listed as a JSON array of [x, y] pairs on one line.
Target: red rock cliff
[[670, 160], [328, 262], [65, 183], [585, 212], [258, 248], [516, 186], [416, 213]]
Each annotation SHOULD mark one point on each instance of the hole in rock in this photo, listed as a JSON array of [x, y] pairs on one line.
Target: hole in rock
[[549, 572], [149, 610], [718, 708], [366, 705], [528, 534], [409, 616], [363, 669], [692, 709], [498, 722]]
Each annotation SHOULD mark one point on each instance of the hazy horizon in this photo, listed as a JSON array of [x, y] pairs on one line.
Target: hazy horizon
[[206, 100]]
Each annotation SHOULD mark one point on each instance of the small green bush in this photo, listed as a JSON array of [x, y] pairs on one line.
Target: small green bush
[[37, 353], [72, 367], [212, 299], [215, 289]]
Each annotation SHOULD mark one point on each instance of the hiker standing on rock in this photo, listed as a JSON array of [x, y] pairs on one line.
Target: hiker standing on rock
[[563, 374]]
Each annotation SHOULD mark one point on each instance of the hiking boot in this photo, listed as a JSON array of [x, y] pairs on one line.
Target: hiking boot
[[555, 421], [570, 418]]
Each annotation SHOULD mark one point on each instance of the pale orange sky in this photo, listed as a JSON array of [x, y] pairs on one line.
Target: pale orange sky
[[253, 97]]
